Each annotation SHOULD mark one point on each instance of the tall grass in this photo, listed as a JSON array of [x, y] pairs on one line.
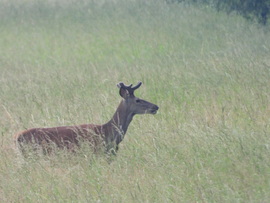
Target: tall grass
[[209, 73]]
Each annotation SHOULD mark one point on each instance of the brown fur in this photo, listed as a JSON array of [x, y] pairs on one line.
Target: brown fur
[[63, 137]]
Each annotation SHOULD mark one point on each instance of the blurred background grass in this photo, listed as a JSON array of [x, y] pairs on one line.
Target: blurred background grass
[[209, 73]]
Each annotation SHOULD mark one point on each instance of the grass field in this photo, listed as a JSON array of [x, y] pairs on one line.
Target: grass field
[[209, 73]]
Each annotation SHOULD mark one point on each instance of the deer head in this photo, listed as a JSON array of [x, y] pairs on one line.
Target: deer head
[[134, 104]]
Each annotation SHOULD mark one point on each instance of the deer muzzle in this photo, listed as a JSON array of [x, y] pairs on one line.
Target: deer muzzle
[[154, 109]]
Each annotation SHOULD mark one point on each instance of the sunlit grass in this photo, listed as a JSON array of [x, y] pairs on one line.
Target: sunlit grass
[[208, 72]]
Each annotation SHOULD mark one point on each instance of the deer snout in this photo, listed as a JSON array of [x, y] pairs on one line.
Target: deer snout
[[154, 109]]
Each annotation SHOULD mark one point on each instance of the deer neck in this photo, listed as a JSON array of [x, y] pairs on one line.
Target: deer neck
[[119, 123]]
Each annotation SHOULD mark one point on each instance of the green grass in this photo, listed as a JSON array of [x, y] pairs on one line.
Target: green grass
[[209, 73]]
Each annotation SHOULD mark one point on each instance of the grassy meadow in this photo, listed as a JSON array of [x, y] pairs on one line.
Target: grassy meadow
[[208, 72]]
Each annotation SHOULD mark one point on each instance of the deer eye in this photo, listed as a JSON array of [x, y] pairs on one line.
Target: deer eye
[[138, 101]]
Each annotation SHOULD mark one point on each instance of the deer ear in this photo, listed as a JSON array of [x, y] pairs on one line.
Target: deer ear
[[123, 93]]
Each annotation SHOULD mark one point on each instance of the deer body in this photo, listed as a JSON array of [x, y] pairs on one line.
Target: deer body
[[108, 135]]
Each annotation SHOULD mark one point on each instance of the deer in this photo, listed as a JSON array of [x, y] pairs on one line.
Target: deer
[[108, 135]]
